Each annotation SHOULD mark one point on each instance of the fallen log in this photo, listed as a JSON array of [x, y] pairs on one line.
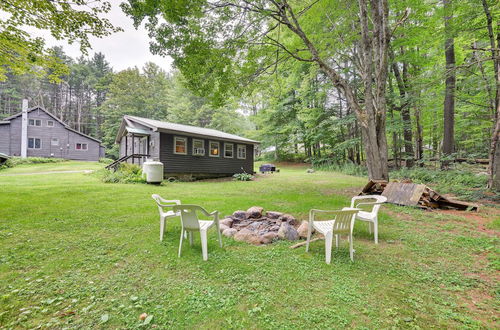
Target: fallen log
[[304, 243]]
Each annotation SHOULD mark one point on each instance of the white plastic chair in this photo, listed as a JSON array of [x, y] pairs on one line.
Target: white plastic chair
[[342, 223], [163, 205], [191, 223], [369, 216]]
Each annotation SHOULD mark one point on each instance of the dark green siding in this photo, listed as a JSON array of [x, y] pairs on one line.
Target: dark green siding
[[174, 163]]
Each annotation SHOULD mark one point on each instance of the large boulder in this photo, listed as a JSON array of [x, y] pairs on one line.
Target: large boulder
[[229, 232], [222, 227], [287, 232], [227, 221], [242, 215], [255, 212], [246, 235], [273, 214], [268, 237], [288, 218], [302, 230]]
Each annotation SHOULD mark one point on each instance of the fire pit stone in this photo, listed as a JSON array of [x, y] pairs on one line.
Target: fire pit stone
[[256, 227]]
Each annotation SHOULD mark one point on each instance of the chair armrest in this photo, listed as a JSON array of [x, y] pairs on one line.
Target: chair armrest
[[368, 203]]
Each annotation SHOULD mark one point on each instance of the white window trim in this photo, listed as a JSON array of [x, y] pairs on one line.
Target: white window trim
[[237, 151], [34, 122], [202, 143], [232, 148], [175, 143], [34, 143], [82, 143], [52, 140], [210, 148], [50, 121]]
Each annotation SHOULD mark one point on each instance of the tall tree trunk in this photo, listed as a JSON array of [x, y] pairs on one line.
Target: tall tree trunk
[[494, 154], [449, 98]]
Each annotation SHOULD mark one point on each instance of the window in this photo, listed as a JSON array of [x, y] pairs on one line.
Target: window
[[81, 146], [54, 142], [34, 143], [214, 149], [228, 150], [180, 145], [50, 123], [198, 147], [241, 151], [35, 122]]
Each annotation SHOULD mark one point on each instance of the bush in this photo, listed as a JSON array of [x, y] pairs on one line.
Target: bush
[[105, 160], [243, 177], [125, 173], [15, 161], [345, 168]]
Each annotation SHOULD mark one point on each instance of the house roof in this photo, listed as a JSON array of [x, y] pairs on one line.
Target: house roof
[[187, 129], [8, 119]]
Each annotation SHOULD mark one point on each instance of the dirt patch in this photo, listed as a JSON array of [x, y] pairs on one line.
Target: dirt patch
[[479, 219]]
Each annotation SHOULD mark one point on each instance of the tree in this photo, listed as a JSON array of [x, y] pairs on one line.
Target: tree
[[70, 20], [219, 46]]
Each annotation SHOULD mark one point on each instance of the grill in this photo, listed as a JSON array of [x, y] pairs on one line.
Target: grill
[[268, 168]]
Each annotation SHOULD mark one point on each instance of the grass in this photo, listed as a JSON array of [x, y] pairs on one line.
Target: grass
[[79, 253]]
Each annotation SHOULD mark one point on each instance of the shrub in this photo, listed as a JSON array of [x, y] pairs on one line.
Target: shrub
[[243, 177], [346, 168], [105, 160], [15, 161], [125, 173]]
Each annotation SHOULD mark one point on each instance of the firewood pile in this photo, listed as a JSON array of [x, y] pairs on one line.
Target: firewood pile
[[408, 193]]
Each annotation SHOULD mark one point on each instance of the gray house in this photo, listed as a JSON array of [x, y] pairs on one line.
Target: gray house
[[183, 149], [37, 133]]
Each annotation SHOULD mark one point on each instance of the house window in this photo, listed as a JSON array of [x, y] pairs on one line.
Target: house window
[[228, 150], [198, 147], [35, 122], [180, 145], [241, 151], [54, 142], [34, 143], [50, 123], [81, 146], [214, 149]]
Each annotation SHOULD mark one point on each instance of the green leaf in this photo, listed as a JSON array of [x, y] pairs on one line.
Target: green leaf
[[148, 319]]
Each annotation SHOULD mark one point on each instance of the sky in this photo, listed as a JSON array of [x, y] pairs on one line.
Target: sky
[[122, 49]]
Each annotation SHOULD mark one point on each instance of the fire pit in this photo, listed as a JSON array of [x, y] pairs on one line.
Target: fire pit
[[255, 227]]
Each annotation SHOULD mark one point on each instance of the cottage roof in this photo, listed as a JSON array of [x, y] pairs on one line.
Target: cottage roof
[[187, 129], [8, 119]]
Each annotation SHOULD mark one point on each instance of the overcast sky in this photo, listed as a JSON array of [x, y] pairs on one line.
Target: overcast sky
[[122, 49]]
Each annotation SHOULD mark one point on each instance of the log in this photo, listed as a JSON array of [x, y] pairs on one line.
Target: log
[[304, 243]]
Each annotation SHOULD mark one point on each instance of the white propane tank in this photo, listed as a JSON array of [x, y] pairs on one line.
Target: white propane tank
[[153, 171]]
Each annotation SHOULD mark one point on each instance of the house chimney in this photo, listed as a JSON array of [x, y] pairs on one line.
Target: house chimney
[[24, 130]]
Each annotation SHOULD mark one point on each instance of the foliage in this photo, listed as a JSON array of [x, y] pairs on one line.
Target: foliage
[[16, 161], [346, 168], [243, 177], [125, 173], [105, 160], [434, 263], [73, 21]]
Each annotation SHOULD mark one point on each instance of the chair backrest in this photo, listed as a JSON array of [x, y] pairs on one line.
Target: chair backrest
[[163, 203], [189, 217], [344, 219], [375, 200]]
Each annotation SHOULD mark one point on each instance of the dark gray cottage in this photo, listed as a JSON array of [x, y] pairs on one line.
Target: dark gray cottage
[[36, 132], [184, 149]]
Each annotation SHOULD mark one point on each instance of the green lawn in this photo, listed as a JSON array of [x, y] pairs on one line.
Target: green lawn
[[78, 253]]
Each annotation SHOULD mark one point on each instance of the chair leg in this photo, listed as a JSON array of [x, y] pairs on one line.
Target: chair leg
[[375, 230], [351, 250], [190, 238], [162, 228], [308, 239], [337, 241], [180, 243], [370, 227], [328, 247], [204, 248], [220, 237]]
